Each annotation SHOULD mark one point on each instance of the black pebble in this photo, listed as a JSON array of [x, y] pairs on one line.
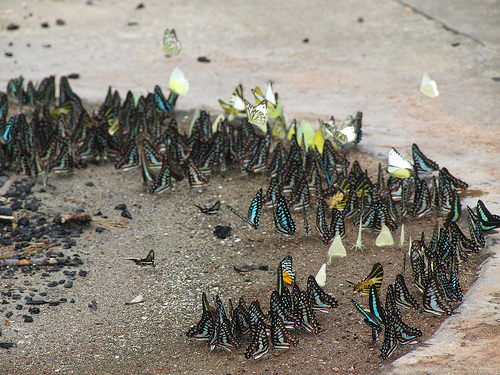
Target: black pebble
[[52, 284], [28, 318], [7, 345], [44, 24], [74, 76], [9, 54], [139, 6], [93, 305], [121, 206], [34, 310], [222, 232], [9, 314], [43, 294], [7, 211], [62, 281], [305, 40], [203, 59], [60, 22], [72, 300], [126, 214], [99, 229], [19, 307], [68, 284], [24, 222], [248, 280], [89, 183], [12, 26], [63, 300], [82, 273], [54, 303]]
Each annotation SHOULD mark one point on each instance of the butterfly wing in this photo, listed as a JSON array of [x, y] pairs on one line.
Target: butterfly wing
[[257, 115], [397, 166], [374, 278]]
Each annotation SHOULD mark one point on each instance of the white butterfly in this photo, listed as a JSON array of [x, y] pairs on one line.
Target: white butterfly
[[321, 276], [336, 249], [402, 236], [385, 237], [346, 134], [398, 166], [428, 86], [178, 83], [171, 44], [257, 115]]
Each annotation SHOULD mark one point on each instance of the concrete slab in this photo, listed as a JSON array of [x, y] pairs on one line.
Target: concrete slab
[[361, 55]]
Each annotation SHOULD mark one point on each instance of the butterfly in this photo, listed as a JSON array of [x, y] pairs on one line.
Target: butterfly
[[303, 310], [236, 104], [404, 333], [375, 318], [171, 44], [402, 294], [422, 202], [178, 83], [222, 336], [390, 343], [161, 102], [475, 230], [398, 166], [346, 134], [257, 115], [282, 218], [206, 326], [285, 313], [336, 249], [434, 299], [428, 87], [305, 132], [149, 261], [271, 97], [317, 296], [280, 337], [385, 237], [254, 211], [197, 178], [488, 220], [287, 270], [321, 276], [374, 278], [421, 162], [259, 345], [210, 210]]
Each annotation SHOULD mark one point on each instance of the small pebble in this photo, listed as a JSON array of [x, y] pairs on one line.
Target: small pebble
[[74, 76], [28, 318], [82, 273], [99, 229], [305, 40], [9, 314], [126, 214], [121, 207], [222, 232], [44, 25], [89, 183], [203, 59], [34, 310], [9, 54], [72, 300], [60, 22], [12, 26], [52, 284], [139, 6], [68, 284], [62, 281], [19, 307], [93, 305]]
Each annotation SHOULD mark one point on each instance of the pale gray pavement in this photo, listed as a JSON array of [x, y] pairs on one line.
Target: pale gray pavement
[[374, 66]]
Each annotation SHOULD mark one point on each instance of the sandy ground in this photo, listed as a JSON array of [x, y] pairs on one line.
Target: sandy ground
[[347, 65]]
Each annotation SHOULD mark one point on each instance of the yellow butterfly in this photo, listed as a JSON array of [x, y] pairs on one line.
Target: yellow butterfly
[[287, 270], [374, 278], [171, 44], [428, 86], [280, 129], [397, 166], [271, 97], [385, 237], [257, 115], [319, 141], [321, 276], [292, 130], [178, 83], [236, 104], [336, 249], [305, 131]]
